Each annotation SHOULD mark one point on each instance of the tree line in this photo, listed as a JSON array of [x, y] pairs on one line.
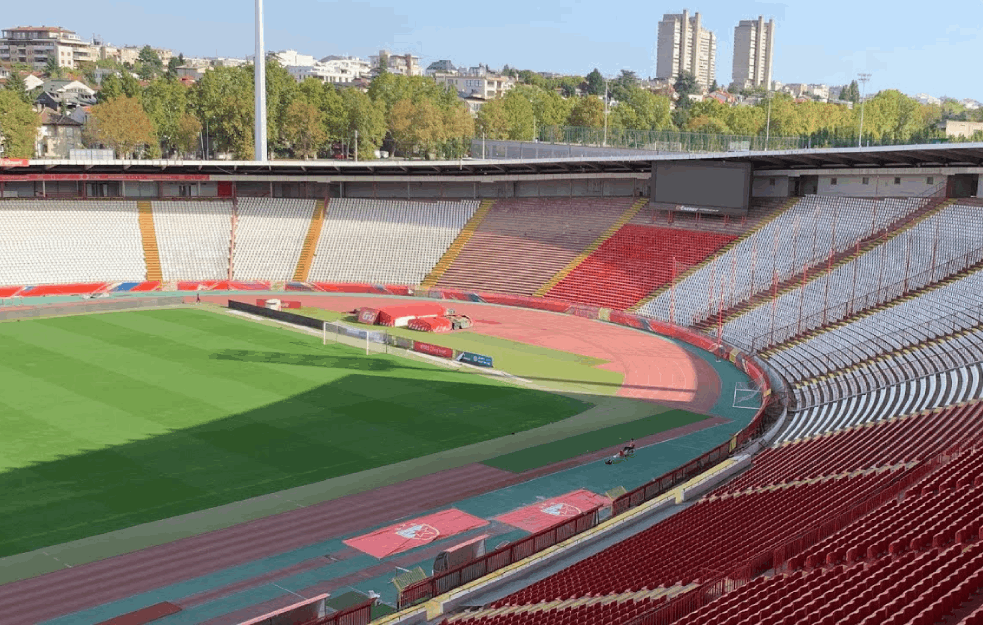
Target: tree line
[[416, 117]]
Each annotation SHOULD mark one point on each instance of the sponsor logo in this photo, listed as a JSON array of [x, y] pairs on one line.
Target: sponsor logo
[[561, 510], [418, 531]]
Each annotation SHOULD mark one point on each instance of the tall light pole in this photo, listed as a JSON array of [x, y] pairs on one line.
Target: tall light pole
[[863, 78], [259, 66]]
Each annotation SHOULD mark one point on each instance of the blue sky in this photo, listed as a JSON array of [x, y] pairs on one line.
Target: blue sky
[[914, 47]]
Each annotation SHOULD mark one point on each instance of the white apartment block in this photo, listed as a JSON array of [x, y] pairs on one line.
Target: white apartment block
[[486, 87], [332, 69], [754, 45], [289, 58], [684, 45], [402, 64], [34, 45]]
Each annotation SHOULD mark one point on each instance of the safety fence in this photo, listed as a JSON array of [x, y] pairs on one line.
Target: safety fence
[[358, 614], [88, 306], [450, 579]]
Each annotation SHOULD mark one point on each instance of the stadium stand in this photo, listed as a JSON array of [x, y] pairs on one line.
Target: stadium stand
[[819, 226], [522, 243], [194, 238], [910, 259], [69, 241], [386, 242], [636, 260], [269, 237]]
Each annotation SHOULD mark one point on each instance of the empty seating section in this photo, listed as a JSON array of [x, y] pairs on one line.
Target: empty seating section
[[917, 587], [69, 241], [933, 374], [705, 539], [804, 235], [931, 250], [951, 308], [901, 440], [194, 238], [386, 241], [600, 610], [633, 262], [522, 243], [269, 236]]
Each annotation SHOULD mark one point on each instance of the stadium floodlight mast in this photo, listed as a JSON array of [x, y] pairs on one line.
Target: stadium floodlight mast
[[259, 68], [863, 78]]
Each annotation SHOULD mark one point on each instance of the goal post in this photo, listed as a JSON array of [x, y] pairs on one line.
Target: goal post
[[747, 395]]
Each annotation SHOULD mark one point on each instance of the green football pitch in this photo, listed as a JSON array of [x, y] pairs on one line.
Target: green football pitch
[[116, 419]]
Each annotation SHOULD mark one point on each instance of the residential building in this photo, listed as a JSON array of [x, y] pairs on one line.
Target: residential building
[[4, 73], [440, 67], [954, 128], [402, 64], [684, 45], [289, 58], [57, 135], [190, 73], [333, 69], [754, 45], [487, 87], [34, 45]]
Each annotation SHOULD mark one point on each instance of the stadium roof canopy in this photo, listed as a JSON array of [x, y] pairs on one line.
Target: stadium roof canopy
[[940, 155]]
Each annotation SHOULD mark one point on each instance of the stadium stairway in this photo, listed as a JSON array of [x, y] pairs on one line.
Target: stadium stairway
[[773, 214], [459, 242], [148, 236], [824, 266], [310, 241], [627, 216]]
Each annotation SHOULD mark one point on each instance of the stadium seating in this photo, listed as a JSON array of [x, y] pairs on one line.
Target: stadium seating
[[632, 263], [69, 241], [522, 243], [269, 236], [802, 236], [194, 238], [912, 259], [386, 241]]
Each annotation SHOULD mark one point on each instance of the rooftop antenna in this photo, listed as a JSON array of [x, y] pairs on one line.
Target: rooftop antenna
[[259, 66]]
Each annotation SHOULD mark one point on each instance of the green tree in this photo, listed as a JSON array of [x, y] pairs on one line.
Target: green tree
[[130, 85], [121, 125], [186, 136], [149, 64], [366, 117], [520, 116], [281, 88], [165, 101], [851, 93], [492, 120], [685, 86], [16, 84], [595, 83], [18, 125], [383, 66], [303, 128], [587, 111], [223, 101], [51, 68]]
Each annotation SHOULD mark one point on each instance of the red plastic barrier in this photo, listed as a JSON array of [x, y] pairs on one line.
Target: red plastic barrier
[[433, 350], [291, 303], [64, 289], [146, 286], [10, 291], [430, 324]]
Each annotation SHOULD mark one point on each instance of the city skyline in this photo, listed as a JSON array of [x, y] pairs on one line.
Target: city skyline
[[827, 44]]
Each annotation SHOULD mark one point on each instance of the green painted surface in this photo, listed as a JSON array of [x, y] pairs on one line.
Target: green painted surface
[[118, 419], [611, 436], [559, 370]]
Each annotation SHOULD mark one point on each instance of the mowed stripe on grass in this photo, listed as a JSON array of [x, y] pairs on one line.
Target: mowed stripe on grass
[[117, 419]]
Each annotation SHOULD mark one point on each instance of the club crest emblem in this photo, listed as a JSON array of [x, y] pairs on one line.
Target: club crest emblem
[[561, 510], [418, 531]]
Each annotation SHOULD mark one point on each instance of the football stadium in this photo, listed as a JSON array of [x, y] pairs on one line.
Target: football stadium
[[628, 390]]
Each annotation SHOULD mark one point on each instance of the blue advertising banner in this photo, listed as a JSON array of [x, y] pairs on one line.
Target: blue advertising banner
[[475, 359]]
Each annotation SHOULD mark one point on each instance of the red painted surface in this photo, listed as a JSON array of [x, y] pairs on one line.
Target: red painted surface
[[10, 291], [545, 514], [146, 615], [412, 534]]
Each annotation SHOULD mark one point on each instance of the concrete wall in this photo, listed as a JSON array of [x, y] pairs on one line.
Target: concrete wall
[[590, 187], [771, 186], [879, 186]]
